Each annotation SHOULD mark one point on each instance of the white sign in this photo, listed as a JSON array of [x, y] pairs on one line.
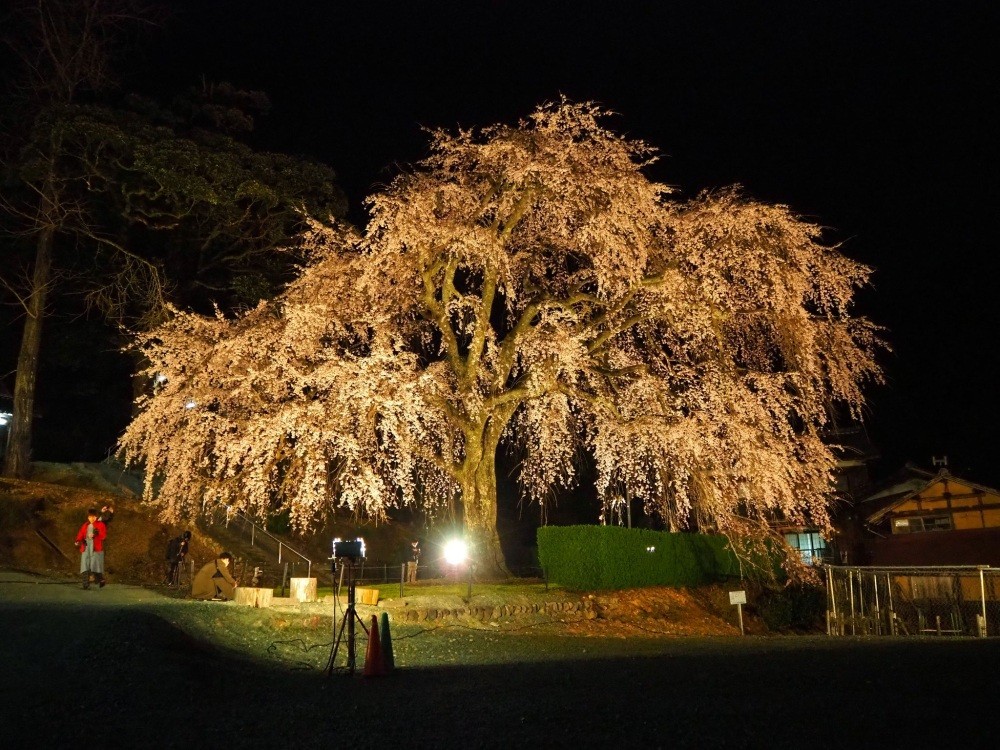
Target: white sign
[[737, 597]]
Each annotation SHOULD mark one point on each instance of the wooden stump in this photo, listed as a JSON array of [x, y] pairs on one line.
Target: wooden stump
[[253, 597], [303, 589]]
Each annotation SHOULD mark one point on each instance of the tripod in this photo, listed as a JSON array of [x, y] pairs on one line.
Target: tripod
[[347, 621]]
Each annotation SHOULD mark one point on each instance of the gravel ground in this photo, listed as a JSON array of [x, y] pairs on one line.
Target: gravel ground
[[128, 667]]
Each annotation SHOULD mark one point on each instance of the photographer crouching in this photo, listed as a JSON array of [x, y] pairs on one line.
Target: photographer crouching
[[214, 581]]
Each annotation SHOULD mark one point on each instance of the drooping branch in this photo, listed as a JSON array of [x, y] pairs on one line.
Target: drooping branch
[[690, 348], [134, 278]]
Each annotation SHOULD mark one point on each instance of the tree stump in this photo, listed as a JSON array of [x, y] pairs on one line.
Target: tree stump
[[303, 589], [253, 597]]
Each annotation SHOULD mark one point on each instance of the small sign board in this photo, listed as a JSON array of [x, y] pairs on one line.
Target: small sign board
[[737, 597]]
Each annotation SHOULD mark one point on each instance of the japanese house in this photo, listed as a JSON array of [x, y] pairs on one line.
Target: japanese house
[[926, 518]]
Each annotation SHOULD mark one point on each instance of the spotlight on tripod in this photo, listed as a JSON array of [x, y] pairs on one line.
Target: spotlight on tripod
[[350, 550], [346, 554]]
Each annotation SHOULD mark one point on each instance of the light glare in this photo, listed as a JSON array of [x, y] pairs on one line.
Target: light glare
[[455, 552]]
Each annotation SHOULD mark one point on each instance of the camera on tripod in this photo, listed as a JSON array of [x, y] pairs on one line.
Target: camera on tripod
[[345, 554]]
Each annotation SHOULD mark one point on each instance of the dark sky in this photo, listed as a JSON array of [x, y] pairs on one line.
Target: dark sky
[[867, 118]]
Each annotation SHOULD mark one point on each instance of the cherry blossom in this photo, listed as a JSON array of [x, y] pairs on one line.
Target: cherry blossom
[[530, 287]]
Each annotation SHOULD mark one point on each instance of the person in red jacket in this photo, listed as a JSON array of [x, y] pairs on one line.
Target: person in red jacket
[[90, 541]]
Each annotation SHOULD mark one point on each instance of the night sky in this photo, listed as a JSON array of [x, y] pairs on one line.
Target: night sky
[[865, 118]]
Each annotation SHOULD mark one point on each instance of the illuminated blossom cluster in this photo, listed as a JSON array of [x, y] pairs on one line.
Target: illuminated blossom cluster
[[525, 285]]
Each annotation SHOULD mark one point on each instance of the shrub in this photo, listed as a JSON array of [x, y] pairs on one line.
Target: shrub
[[612, 557], [798, 607]]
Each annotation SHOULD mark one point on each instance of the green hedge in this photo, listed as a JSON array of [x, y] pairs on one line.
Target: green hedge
[[612, 557]]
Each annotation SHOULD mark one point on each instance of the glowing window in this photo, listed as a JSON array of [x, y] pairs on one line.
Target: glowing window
[[811, 546], [916, 524]]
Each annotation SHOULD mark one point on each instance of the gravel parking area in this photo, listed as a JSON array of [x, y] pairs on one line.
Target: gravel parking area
[[127, 667]]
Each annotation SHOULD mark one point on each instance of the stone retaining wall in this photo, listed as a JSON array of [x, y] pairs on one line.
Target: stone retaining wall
[[585, 609]]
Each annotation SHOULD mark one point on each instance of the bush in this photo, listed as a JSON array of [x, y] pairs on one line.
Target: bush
[[612, 557], [799, 607]]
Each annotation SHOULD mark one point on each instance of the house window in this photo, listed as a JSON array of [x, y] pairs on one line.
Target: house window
[[811, 546], [921, 523]]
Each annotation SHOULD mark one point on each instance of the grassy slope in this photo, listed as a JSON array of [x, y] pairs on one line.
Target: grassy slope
[[137, 540]]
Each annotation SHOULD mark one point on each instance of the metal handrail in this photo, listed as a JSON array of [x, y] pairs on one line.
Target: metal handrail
[[254, 528]]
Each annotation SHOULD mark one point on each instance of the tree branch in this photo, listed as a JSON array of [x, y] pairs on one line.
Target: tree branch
[[482, 326], [438, 313]]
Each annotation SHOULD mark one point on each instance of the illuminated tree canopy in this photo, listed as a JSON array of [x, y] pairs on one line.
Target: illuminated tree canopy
[[525, 286]]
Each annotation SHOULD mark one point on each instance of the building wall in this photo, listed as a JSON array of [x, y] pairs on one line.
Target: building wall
[[948, 503], [958, 547], [948, 586]]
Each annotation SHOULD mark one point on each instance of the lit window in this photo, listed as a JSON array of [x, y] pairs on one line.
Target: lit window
[[811, 546], [917, 524]]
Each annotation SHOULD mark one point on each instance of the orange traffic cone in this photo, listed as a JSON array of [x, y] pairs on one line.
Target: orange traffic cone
[[374, 663]]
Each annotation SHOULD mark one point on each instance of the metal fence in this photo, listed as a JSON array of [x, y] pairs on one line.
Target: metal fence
[[369, 572], [261, 537], [913, 601]]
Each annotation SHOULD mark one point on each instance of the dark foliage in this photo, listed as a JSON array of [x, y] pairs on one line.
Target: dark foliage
[[799, 607]]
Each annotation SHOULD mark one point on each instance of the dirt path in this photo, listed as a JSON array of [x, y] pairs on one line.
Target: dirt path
[[27, 588]]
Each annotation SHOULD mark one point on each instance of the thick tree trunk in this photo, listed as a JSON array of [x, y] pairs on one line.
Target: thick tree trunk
[[479, 501], [17, 458], [481, 523]]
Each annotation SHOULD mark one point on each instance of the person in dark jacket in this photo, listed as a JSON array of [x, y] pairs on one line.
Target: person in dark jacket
[[177, 549], [214, 581]]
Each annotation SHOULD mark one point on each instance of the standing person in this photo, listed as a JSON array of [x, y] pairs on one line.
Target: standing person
[[90, 540], [106, 517], [214, 581], [177, 549], [411, 567]]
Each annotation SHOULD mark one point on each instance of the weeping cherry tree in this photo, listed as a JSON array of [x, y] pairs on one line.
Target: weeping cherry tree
[[525, 287]]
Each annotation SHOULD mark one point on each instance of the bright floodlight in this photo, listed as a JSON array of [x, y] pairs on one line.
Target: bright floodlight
[[455, 552]]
